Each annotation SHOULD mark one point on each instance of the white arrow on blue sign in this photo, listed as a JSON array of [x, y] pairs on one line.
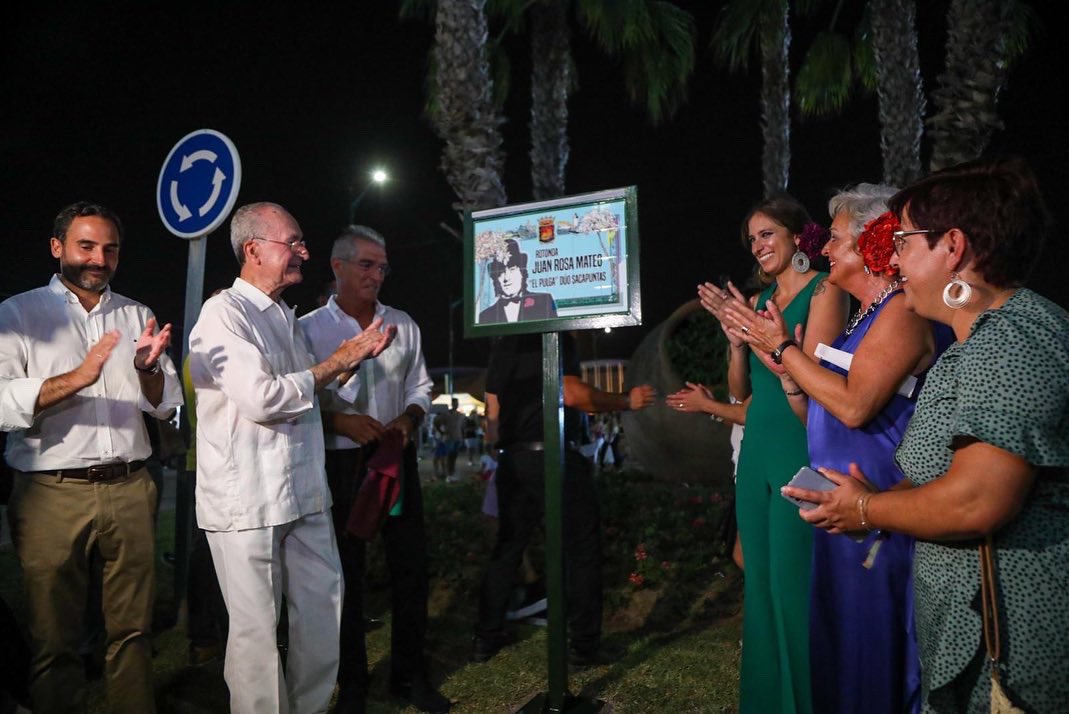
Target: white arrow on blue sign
[[198, 184]]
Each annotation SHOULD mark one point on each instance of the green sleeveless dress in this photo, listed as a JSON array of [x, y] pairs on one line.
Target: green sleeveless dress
[[776, 543]]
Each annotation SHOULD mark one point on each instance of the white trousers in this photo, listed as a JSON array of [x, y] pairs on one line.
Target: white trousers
[[256, 567]]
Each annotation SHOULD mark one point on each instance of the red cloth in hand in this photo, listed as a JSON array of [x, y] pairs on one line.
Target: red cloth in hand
[[381, 488]]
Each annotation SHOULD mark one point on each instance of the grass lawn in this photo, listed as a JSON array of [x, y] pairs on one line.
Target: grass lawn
[[672, 610]]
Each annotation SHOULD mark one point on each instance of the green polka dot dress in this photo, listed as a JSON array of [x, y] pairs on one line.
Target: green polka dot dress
[[1006, 385]]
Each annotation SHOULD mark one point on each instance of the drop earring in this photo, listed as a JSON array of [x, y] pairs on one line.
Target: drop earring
[[957, 293], [800, 261]]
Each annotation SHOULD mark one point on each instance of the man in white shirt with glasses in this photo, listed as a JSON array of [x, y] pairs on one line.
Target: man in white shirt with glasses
[[389, 397], [79, 364], [262, 494]]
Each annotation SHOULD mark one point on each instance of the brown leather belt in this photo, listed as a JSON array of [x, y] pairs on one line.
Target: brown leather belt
[[98, 473]]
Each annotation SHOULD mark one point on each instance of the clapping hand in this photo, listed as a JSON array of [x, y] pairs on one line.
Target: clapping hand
[[716, 300], [641, 397], [692, 398], [151, 345]]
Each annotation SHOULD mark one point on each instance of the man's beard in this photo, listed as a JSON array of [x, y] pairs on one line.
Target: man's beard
[[79, 275]]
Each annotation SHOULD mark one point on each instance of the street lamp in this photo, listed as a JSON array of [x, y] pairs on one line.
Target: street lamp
[[377, 177]]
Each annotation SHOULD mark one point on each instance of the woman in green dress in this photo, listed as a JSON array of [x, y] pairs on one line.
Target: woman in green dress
[[776, 546], [987, 452]]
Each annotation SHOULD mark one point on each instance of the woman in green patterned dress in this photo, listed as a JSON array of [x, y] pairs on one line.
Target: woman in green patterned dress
[[776, 546], [987, 451]]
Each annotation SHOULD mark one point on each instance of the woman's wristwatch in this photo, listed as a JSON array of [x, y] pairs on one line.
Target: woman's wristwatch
[[777, 354]]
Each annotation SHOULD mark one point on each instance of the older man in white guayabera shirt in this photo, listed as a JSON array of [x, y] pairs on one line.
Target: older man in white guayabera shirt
[[262, 491]]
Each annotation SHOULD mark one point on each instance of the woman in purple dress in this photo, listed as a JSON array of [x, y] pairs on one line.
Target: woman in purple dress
[[862, 640]]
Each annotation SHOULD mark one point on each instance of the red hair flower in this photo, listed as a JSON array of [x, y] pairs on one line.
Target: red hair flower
[[876, 244]]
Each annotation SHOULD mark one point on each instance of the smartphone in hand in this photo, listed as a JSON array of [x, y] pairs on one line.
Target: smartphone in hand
[[810, 480]]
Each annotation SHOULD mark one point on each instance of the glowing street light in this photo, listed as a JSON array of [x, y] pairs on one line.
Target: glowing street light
[[378, 177]]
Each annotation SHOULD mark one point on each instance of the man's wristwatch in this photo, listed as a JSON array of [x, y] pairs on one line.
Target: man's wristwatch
[[148, 370], [777, 354]]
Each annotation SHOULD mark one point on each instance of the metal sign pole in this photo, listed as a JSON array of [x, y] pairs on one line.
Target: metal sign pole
[[553, 436], [183, 509], [556, 699]]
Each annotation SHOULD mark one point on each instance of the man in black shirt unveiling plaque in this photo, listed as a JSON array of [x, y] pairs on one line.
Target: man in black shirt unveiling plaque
[[514, 421]]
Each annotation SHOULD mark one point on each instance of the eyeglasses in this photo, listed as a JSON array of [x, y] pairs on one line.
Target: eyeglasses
[[294, 245], [899, 237], [366, 266]]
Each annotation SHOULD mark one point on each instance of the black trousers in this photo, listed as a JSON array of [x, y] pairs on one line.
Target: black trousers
[[521, 506], [405, 540]]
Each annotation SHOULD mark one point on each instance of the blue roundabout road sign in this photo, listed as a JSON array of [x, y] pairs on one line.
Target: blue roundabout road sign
[[198, 184]]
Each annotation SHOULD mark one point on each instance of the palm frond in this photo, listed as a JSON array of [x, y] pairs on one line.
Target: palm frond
[[1020, 24], [733, 41], [418, 10], [825, 77], [863, 55]]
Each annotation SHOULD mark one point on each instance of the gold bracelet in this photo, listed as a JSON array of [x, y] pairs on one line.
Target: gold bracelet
[[862, 504]]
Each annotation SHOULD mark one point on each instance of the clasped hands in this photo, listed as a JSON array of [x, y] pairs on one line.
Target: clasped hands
[[364, 429]]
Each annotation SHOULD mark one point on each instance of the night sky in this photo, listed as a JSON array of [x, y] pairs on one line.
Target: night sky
[[315, 96]]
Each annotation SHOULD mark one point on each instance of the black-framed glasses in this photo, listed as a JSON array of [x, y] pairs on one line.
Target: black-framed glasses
[[294, 245], [366, 266], [899, 237]]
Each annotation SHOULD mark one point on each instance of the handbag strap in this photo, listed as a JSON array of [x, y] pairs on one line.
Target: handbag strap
[[989, 605]]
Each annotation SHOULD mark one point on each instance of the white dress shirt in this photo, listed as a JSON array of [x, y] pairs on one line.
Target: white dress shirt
[[259, 435], [45, 333], [384, 386]]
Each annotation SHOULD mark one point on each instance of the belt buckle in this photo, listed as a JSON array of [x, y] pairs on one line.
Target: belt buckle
[[102, 472]]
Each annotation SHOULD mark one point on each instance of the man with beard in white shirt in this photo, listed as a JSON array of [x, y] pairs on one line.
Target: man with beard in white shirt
[[79, 364], [262, 492], [388, 398]]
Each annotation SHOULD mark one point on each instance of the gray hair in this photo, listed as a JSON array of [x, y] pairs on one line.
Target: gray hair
[[345, 244], [248, 223], [861, 203]]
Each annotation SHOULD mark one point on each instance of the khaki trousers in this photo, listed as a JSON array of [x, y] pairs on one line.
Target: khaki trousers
[[56, 524]]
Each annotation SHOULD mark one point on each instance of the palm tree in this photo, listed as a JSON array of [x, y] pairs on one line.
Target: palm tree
[[743, 25], [552, 83], [882, 56], [984, 37], [654, 39], [899, 88], [464, 115]]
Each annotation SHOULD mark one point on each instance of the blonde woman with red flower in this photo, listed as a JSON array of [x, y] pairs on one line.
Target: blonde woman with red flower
[[861, 624]]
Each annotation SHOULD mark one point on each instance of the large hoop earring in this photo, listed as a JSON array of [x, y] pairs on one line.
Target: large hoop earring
[[963, 290], [800, 261]]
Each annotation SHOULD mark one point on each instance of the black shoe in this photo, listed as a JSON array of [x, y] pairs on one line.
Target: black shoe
[[484, 647], [350, 701], [419, 693]]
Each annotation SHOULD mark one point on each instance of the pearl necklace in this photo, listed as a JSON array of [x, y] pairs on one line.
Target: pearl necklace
[[862, 314]]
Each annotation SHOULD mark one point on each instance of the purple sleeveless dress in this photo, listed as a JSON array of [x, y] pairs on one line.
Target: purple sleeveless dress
[[862, 641]]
